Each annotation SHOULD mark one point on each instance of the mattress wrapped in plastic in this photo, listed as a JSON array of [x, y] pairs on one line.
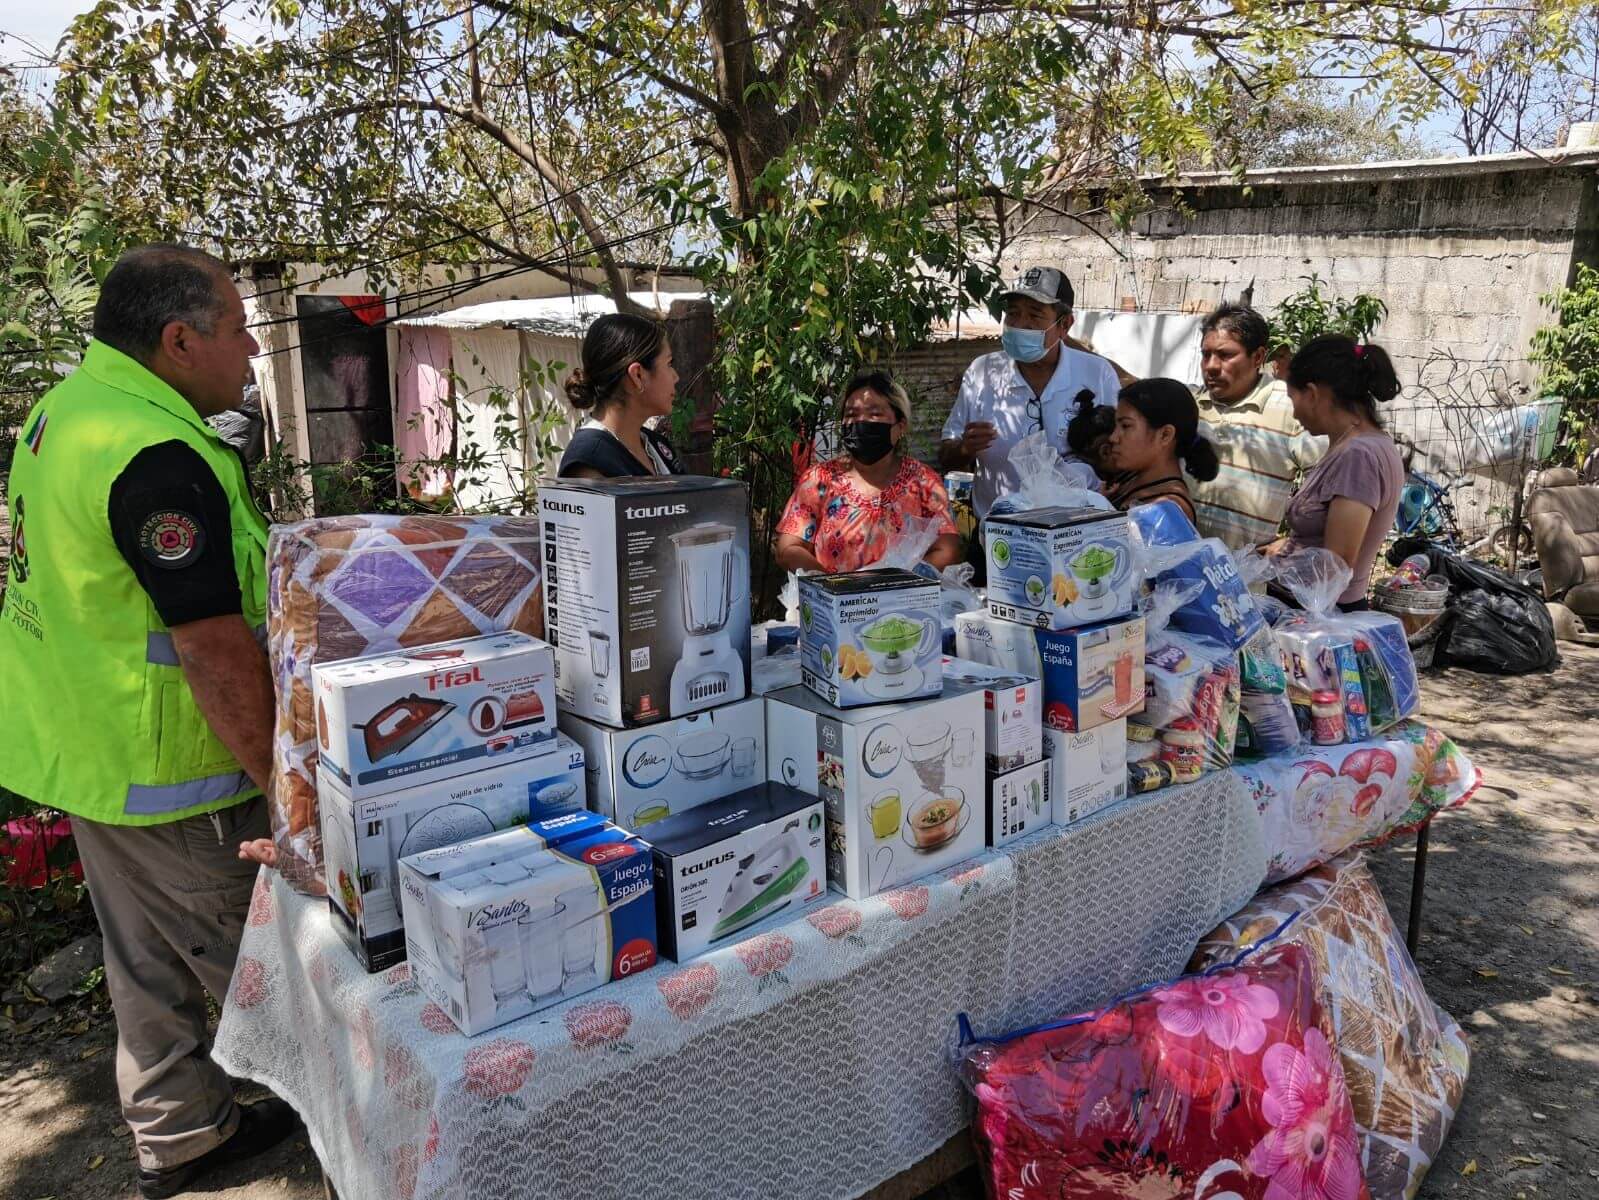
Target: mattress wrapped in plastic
[[344, 587]]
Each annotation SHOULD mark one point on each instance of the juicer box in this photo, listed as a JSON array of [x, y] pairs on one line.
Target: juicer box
[[646, 595], [1088, 770], [511, 923], [639, 776], [900, 782], [870, 637], [408, 717], [363, 840], [728, 864], [1092, 676], [1059, 567], [1018, 803], [1013, 718]]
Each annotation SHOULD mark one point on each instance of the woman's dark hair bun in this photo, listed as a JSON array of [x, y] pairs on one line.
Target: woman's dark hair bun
[[1360, 375], [579, 391], [1377, 371], [1200, 460], [613, 343]]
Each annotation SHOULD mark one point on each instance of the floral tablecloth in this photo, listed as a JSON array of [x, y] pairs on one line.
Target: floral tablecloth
[[811, 1060]]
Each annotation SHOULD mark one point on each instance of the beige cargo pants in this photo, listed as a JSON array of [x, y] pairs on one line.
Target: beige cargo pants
[[172, 901]]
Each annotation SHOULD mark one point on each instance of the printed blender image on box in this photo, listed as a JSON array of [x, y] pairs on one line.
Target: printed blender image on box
[[870, 637], [637, 777], [1013, 733], [401, 719], [646, 595], [726, 866], [363, 840], [1088, 769], [900, 782], [1056, 568], [511, 923], [1093, 675], [1018, 803]]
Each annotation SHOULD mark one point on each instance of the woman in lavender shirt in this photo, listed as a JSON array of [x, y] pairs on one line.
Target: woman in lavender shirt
[[1348, 500]]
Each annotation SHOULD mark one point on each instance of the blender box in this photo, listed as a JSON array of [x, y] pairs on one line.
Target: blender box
[[639, 776], [1059, 567], [363, 840], [729, 864], [1093, 675], [1088, 770], [899, 781], [646, 595], [1013, 722], [983, 638], [408, 717], [870, 637], [1018, 803], [508, 924]]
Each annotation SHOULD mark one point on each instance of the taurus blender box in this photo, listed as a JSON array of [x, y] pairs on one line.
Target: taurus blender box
[[362, 840], [640, 776], [870, 637], [405, 718], [511, 923], [900, 782], [1013, 722], [733, 862], [1018, 802], [1056, 568], [1092, 675], [1088, 769], [646, 595]]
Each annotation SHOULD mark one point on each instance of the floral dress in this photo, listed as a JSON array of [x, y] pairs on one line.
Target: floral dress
[[850, 530]]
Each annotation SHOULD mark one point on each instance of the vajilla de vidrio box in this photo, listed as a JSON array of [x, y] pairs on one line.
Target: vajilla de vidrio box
[[1056, 568], [901, 782], [405, 718], [647, 595], [1013, 734], [640, 776], [870, 637], [1092, 675], [1088, 769], [511, 923], [734, 863], [1018, 803], [363, 840], [981, 637]]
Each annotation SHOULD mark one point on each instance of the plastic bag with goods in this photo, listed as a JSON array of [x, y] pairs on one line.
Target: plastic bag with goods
[[1266, 722], [1224, 1084], [1048, 481], [345, 587]]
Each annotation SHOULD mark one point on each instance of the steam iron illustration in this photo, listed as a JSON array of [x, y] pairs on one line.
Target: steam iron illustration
[[764, 883], [395, 726]]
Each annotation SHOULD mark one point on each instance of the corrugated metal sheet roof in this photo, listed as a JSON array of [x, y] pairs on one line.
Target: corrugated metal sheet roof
[[555, 316]]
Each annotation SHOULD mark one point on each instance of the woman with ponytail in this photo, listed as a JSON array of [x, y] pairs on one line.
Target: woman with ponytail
[[1155, 440], [1348, 500], [626, 378]]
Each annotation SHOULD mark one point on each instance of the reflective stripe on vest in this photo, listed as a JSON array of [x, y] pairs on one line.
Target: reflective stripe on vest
[[147, 800]]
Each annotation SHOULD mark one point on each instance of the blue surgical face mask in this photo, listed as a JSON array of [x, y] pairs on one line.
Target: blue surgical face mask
[[1022, 345]]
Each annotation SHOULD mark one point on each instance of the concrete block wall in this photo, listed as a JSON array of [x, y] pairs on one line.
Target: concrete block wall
[[932, 376]]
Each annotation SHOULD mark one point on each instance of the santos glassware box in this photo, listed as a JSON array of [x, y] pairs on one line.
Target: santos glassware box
[[726, 865], [1057, 568], [870, 637], [981, 637], [1018, 803], [639, 776], [1013, 705], [1088, 769], [397, 720], [510, 923], [900, 781], [646, 595], [362, 840]]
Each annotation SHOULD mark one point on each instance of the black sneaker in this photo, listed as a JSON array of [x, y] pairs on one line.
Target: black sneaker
[[262, 1125]]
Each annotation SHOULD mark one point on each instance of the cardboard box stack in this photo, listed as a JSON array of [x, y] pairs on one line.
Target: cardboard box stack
[[1016, 774]]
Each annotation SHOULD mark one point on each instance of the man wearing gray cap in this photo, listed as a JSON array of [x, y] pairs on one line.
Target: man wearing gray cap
[[1029, 385]]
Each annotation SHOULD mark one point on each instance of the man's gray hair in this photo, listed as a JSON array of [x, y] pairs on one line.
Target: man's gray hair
[[152, 286]]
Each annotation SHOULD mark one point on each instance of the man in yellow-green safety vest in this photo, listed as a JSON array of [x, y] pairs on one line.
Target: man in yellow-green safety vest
[[137, 693]]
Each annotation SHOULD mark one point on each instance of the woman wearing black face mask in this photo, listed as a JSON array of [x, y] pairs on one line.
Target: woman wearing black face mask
[[844, 512]]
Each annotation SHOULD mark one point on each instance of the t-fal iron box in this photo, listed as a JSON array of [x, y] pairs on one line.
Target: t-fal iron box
[[397, 720], [646, 595], [733, 862]]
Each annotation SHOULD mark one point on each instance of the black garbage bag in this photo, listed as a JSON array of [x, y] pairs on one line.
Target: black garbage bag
[[1493, 622]]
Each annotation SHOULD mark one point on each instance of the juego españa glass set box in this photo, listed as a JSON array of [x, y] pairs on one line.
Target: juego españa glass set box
[[1056, 568], [646, 595], [363, 840], [397, 720], [511, 923], [900, 781], [870, 637]]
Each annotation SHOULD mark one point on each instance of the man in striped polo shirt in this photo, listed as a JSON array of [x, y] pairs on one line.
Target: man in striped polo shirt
[[1249, 419]]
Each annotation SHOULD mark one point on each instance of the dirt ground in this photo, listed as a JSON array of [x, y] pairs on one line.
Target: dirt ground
[[1511, 947]]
